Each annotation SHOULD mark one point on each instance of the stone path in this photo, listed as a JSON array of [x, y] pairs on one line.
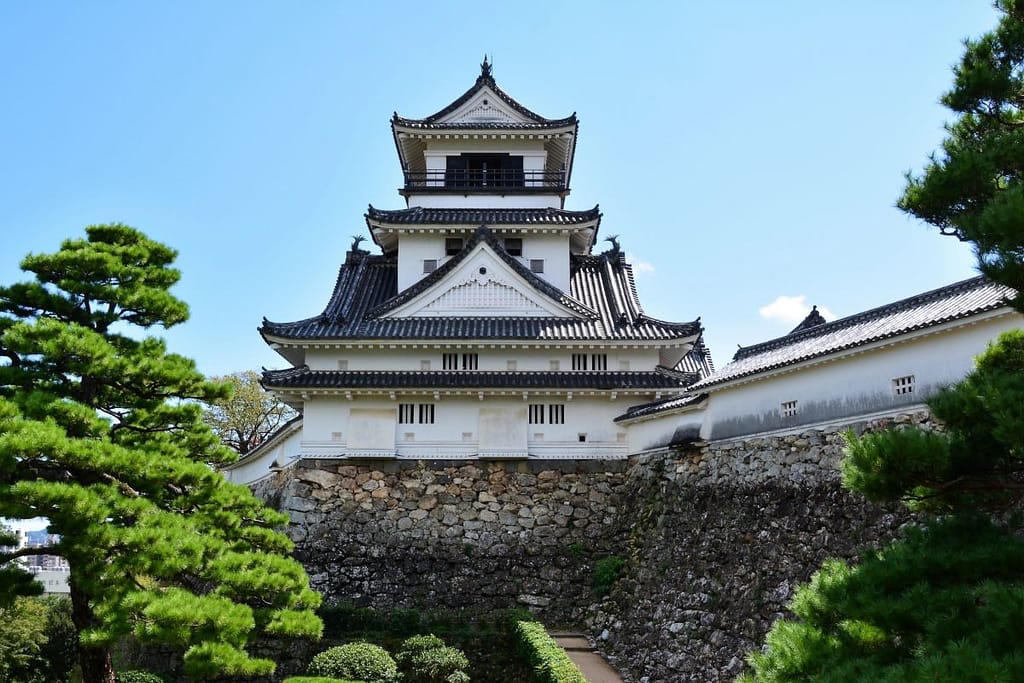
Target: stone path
[[593, 666]]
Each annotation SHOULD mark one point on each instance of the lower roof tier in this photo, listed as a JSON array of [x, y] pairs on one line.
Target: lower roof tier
[[302, 378]]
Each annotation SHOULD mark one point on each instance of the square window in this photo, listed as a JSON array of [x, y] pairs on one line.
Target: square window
[[582, 437], [452, 246], [510, 365], [536, 265], [424, 365], [554, 365], [514, 246], [343, 365], [429, 265]]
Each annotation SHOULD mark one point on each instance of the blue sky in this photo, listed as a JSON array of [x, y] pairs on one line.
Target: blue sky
[[743, 151]]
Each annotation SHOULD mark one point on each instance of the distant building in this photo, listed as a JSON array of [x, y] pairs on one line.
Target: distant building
[[50, 570]]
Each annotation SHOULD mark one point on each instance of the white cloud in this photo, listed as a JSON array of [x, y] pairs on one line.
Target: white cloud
[[791, 309], [639, 267]]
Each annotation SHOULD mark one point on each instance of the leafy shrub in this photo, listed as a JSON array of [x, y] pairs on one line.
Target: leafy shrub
[[318, 679], [606, 573], [426, 659], [363, 661], [137, 677], [549, 661]]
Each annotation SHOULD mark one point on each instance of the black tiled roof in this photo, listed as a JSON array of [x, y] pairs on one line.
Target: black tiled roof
[[425, 216], [662, 405], [602, 291], [485, 79], [304, 378], [946, 304]]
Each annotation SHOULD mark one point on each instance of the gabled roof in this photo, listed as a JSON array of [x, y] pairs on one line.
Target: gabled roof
[[602, 290], [611, 380], [485, 235], [485, 80], [946, 304]]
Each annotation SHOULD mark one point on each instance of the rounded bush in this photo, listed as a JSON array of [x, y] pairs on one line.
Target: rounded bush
[[137, 677], [363, 661], [435, 665]]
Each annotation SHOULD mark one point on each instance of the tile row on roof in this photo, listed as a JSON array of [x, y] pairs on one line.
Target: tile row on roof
[[304, 378], [946, 304], [472, 216], [602, 292]]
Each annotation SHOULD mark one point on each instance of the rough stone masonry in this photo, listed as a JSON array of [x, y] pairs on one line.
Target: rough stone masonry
[[715, 537]]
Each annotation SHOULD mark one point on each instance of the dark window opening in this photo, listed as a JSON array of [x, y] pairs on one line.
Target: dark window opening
[[452, 246], [483, 170], [514, 246]]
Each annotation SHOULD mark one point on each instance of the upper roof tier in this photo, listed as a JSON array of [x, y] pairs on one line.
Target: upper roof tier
[[485, 122]]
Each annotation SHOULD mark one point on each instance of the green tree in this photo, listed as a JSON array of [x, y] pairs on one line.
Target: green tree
[[23, 625], [973, 188], [100, 433], [249, 416]]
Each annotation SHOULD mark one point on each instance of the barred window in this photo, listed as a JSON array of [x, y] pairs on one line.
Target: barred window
[[426, 413], [787, 409], [599, 361], [416, 413], [579, 361], [536, 413], [556, 414], [901, 386], [406, 413], [449, 361], [470, 361]]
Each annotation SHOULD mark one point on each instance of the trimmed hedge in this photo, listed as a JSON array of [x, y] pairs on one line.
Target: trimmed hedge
[[549, 661], [134, 676], [362, 661]]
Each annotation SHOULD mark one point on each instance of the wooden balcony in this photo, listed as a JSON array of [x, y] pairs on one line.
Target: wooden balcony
[[486, 181]]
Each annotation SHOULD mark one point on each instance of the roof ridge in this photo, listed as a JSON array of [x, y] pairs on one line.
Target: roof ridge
[[855, 318]]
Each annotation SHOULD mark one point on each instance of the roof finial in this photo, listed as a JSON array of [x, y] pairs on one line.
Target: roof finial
[[485, 68]]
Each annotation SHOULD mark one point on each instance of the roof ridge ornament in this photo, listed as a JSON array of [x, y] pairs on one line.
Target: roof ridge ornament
[[485, 69]]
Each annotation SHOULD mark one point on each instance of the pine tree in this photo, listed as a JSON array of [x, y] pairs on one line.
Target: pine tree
[[946, 603], [100, 433], [974, 188]]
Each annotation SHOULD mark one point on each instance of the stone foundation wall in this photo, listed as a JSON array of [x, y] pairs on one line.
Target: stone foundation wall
[[715, 539]]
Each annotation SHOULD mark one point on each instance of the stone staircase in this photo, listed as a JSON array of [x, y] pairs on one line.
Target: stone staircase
[[593, 666]]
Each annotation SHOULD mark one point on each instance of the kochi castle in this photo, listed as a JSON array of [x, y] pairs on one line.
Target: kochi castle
[[487, 323]]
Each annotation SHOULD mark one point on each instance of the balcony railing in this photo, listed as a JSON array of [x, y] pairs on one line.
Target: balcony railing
[[485, 180]]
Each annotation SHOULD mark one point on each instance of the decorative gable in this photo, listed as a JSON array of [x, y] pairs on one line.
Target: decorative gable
[[485, 106], [482, 285]]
